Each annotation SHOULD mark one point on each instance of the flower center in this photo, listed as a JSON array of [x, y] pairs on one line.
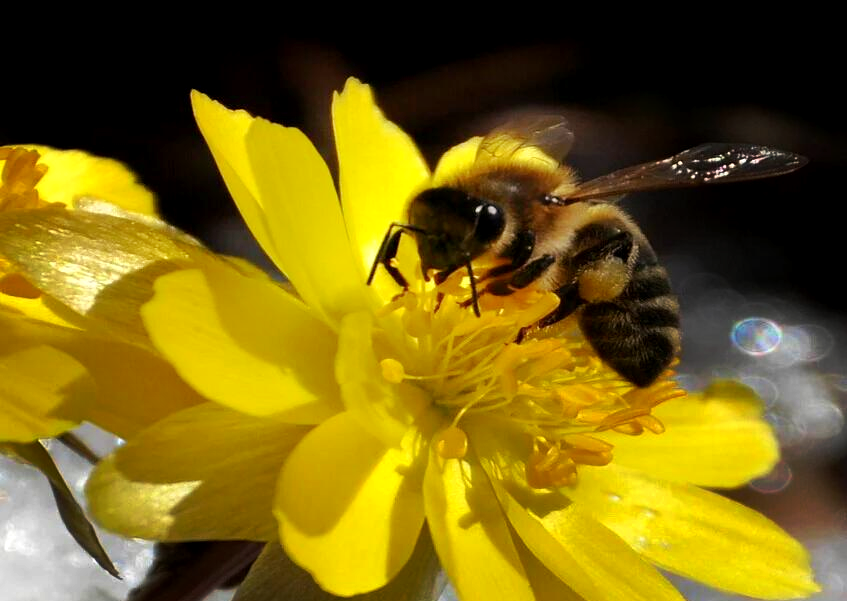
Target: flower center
[[553, 388], [21, 173]]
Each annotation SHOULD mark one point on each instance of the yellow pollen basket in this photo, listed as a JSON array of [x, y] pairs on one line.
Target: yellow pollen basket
[[554, 388]]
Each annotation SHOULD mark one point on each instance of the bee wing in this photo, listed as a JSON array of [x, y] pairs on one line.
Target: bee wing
[[548, 133], [712, 163]]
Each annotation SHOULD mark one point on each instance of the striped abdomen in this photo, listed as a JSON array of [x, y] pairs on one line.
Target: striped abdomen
[[637, 333]]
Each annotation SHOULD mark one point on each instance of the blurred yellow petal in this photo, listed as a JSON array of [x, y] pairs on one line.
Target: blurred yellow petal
[[470, 532], [72, 174], [133, 387], [205, 473], [383, 409], [379, 169], [305, 219], [42, 393], [594, 561], [99, 265], [274, 576], [349, 508], [41, 308], [456, 161], [225, 132], [716, 438], [245, 343], [696, 533]]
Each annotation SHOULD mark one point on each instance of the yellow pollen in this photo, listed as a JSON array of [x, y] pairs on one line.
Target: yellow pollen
[[21, 173], [551, 388]]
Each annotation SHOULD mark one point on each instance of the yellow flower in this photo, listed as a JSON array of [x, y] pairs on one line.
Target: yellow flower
[[38, 177], [57, 368], [361, 420]]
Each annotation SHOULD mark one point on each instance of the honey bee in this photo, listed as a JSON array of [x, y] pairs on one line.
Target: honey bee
[[546, 229]]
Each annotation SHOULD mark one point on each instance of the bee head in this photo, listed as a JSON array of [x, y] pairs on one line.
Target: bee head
[[453, 227]]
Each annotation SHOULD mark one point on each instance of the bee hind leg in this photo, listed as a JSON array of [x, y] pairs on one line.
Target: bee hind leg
[[608, 248], [569, 301]]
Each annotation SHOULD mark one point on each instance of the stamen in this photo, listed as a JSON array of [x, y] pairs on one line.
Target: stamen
[[548, 466], [21, 173], [553, 389]]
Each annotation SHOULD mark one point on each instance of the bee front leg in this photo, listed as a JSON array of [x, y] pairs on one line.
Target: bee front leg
[[387, 251], [518, 252], [523, 277]]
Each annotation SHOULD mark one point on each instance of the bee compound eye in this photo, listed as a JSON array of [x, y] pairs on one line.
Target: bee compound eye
[[489, 222]]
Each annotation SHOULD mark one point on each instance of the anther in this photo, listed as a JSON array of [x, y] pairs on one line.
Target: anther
[[21, 173], [451, 443], [392, 370]]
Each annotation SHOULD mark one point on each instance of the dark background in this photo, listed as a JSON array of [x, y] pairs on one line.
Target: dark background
[[629, 101]]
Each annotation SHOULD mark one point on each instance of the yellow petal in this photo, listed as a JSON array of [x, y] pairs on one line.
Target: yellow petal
[[380, 168], [133, 387], [590, 558], [245, 343], [716, 438], [305, 219], [383, 409], [205, 473], [470, 532], [42, 393], [696, 533], [455, 161], [274, 576], [99, 265], [42, 308], [225, 132], [72, 174], [349, 508], [545, 584], [285, 194]]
